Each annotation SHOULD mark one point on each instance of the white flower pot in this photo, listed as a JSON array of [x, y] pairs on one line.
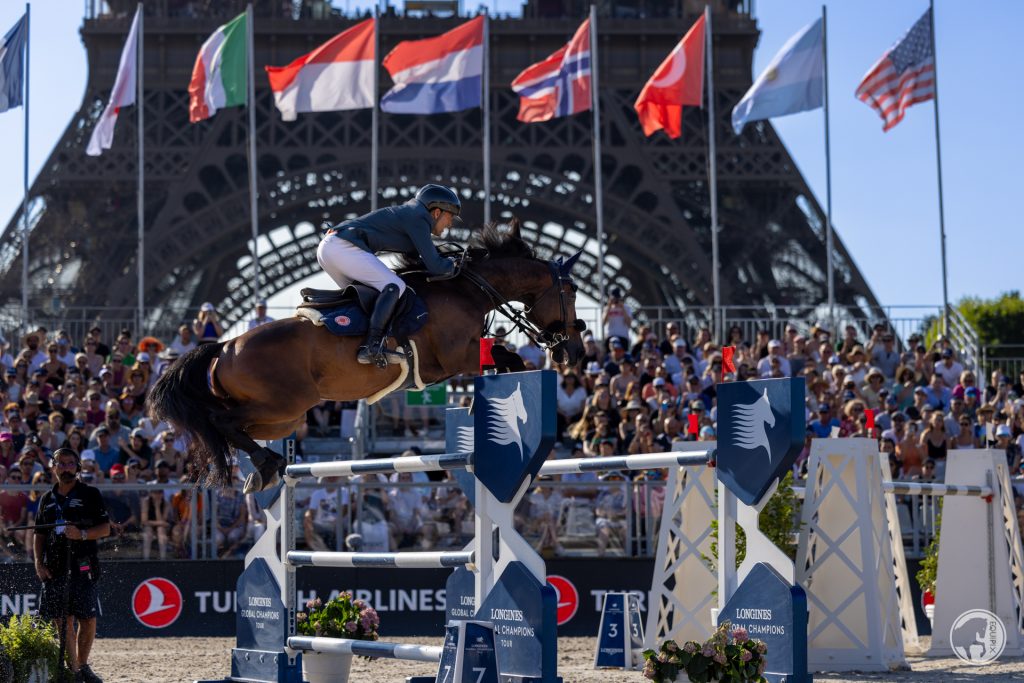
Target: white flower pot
[[321, 667], [39, 673]]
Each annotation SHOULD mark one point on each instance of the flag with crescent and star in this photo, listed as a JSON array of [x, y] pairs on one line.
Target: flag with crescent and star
[[677, 82], [794, 81]]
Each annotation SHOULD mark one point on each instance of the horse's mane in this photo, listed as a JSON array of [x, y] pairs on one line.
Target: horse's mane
[[497, 240]]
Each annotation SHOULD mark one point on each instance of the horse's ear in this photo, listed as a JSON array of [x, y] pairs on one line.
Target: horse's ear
[[513, 228], [565, 267]]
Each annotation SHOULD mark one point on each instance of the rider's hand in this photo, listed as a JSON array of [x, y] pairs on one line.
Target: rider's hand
[[451, 265], [42, 572]]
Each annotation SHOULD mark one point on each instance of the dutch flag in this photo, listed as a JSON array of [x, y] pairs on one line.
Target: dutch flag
[[439, 74]]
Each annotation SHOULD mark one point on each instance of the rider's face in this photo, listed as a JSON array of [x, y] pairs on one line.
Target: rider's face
[[442, 221]]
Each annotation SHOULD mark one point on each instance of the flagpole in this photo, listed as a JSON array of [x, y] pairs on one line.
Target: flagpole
[[375, 120], [254, 215], [598, 198], [713, 176], [486, 101], [830, 265], [141, 202], [938, 163], [24, 178]]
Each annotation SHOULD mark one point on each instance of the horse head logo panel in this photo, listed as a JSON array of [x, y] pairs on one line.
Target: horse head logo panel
[[761, 431], [750, 424], [506, 414], [514, 423], [459, 438]]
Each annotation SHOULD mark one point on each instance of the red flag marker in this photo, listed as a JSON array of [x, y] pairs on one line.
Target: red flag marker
[[871, 418], [727, 354], [693, 424], [486, 344]]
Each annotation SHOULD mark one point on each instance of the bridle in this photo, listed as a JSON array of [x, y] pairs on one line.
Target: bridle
[[556, 334]]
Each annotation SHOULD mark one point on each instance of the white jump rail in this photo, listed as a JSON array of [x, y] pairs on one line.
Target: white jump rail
[[402, 560], [367, 648], [463, 460]]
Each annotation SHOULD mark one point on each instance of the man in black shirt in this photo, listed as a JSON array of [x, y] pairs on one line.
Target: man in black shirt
[[67, 561]]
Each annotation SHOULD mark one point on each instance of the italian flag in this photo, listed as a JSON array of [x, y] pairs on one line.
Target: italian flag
[[219, 76]]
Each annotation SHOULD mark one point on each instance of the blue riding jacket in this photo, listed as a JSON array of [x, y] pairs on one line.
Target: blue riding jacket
[[404, 229]]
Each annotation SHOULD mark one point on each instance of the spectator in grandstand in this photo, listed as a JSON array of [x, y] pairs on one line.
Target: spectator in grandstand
[[936, 442], [405, 505], [260, 316], [184, 342], [884, 356], [206, 325], [321, 518], [181, 518], [610, 509], [857, 365], [33, 352], [937, 394], [849, 342], [136, 447], [622, 382], [545, 504], [1005, 443], [232, 520], [570, 399], [797, 356], [765, 365], [531, 353], [965, 437], [155, 522], [124, 349], [870, 391], [592, 355], [14, 508], [123, 507], [104, 453], [617, 318], [948, 368], [642, 440], [54, 368], [826, 422], [447, 509]]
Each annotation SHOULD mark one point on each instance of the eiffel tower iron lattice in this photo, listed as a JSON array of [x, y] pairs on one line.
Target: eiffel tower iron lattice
[[316, 169]]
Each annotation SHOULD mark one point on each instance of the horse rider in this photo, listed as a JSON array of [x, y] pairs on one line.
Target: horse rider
[[348, 253]]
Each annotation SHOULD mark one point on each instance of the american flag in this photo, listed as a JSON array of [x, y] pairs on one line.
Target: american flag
[[905, 75], [559, 85]]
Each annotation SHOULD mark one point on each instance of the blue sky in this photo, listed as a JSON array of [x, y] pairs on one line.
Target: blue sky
[[884, 184]]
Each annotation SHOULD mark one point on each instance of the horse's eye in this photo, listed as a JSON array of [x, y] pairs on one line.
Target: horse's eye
[[574, 287]]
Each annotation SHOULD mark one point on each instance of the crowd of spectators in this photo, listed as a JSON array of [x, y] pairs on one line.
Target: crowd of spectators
[[638, 390]]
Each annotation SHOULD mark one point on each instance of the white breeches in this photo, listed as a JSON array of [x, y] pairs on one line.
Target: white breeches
[[345, 263]]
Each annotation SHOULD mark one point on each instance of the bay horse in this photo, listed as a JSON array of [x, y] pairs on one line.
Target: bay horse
[[261, 384]]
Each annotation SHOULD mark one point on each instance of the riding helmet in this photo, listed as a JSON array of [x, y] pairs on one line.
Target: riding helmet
[[439, 197]]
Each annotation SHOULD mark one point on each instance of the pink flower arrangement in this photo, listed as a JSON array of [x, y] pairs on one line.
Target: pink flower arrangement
[[341, 617], [728, 655]]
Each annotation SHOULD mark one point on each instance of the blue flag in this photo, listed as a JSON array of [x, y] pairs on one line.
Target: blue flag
[[794, 81], [12, 66]]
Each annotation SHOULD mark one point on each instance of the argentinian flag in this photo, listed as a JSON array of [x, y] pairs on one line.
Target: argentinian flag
[[793, 81], [12, 66]]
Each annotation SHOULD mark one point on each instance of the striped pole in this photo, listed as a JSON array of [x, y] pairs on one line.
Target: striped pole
[[642, 461], [921, 489], [410, 560], [410, 463], [367, 648]]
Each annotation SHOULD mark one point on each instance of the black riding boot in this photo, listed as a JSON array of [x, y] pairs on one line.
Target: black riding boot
[[374, 351]]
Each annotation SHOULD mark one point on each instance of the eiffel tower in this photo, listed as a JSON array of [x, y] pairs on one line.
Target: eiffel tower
[[316, 169]]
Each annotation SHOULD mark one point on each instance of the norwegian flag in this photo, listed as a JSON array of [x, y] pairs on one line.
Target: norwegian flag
[[559, 85], [905, 75]]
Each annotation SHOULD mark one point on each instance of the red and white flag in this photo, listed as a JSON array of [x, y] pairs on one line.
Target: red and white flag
[[336, 76], [677, 82], [123, 94], [905, 75]]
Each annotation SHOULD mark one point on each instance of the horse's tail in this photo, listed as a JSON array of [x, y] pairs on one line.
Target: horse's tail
[[182, 397]]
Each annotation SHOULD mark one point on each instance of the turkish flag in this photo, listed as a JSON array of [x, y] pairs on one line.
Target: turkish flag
[[678, 81]]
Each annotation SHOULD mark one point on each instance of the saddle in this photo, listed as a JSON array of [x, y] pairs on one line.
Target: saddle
[[346, 312]]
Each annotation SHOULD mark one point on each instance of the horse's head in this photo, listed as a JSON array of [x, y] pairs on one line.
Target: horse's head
[[555, 313]]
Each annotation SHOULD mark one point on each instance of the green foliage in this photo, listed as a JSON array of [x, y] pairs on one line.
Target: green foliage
[[929, 570], [26, 640], [728, 655], [341, 617], [998, 321], [776, 521]]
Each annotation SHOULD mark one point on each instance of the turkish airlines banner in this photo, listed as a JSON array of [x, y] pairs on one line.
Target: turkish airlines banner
[[179, 598]]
